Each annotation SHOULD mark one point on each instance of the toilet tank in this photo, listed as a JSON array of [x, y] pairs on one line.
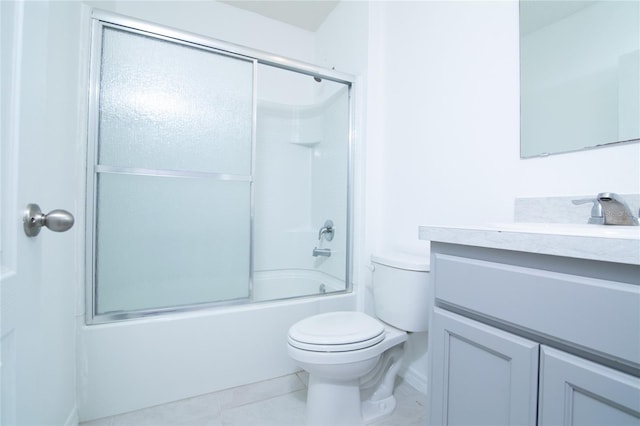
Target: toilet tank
[[402, 290]]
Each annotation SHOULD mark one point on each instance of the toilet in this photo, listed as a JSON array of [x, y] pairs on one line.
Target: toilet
[[353, 358]]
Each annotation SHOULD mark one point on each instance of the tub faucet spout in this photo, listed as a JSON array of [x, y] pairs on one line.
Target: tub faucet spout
[[324, 252]]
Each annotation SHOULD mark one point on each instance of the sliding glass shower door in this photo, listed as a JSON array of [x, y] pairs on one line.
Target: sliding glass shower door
[[213, 173], [172, 172]]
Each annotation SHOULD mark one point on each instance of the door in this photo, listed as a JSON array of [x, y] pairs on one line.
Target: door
[[169, 174], [480, 375], [574, 391], [39, 164]]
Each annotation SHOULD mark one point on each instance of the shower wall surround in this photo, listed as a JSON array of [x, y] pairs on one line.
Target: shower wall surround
[[300, 172]]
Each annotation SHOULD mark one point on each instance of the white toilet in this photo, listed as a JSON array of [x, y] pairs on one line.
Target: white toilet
[[353, 359]]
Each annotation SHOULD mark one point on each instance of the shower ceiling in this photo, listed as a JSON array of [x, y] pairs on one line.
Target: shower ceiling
[[306, 14]]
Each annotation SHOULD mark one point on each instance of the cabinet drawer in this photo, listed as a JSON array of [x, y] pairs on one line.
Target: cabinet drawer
[[601, 315]]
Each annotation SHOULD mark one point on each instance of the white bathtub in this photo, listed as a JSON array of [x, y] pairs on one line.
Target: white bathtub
[[127, 365], [288, 283]]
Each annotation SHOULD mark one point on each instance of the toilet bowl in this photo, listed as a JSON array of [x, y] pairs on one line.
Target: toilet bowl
[[352, 358]]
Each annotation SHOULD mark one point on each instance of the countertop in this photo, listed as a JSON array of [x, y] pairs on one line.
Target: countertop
[[619, 244]]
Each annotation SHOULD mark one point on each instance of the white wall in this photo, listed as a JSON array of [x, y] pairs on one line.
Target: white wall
[[450, 116], [221, 21]]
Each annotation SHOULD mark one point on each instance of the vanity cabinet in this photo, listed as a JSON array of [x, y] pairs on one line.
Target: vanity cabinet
[[523, 338]]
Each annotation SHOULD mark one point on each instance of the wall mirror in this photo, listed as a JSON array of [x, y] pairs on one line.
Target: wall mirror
[[579, 75]]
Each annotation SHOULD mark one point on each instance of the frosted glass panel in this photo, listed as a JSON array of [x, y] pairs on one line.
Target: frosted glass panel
[[165, 105], [164, 241]]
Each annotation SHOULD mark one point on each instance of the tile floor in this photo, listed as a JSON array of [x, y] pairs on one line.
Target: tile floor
[[276, 402]]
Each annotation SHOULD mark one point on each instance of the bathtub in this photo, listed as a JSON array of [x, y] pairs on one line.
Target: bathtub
[[290, 283], [129, 365]]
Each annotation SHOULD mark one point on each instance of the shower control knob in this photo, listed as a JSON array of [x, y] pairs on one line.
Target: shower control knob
[[56, 220]]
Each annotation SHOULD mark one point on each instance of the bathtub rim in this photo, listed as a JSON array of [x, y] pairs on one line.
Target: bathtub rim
[[209, 309]]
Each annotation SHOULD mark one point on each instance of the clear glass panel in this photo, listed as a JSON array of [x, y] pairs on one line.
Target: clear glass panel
[[165, 241], [301, 180], [165, 105]]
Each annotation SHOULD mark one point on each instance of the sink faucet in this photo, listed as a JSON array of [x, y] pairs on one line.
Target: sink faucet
[[609, 209], [615, 210]]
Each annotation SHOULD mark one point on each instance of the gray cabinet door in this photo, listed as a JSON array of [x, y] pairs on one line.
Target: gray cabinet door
[[480, 375], [574, 391]]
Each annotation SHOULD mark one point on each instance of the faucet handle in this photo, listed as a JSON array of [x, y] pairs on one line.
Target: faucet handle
[[327, 230], [596, 209]]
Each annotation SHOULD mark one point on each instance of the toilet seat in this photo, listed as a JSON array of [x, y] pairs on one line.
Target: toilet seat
[[336, 332]]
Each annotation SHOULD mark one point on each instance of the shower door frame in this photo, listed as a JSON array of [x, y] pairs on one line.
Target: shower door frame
[[101, 19]]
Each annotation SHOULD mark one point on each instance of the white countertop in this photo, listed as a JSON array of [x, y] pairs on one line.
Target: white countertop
[[620, 244]]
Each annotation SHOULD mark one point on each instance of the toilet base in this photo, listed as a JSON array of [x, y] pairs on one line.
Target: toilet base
[[331, 403], [334, 404], [357, 401]]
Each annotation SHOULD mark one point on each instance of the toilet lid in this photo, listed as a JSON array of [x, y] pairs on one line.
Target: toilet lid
[[336, 332]]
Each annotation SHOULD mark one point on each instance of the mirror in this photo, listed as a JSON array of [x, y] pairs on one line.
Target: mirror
[[579, 75]]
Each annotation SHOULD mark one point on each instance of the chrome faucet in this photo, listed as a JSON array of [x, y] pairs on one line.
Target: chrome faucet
[[327, 230], [615, 210], [323, 252], [609, 209]]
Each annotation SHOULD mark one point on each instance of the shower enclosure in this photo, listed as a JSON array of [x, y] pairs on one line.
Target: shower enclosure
[[212, 172]]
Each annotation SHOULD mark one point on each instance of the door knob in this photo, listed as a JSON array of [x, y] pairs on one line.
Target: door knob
[[56, 220]]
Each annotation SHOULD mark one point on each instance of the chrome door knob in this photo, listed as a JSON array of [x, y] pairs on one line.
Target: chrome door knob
[[56, 220]]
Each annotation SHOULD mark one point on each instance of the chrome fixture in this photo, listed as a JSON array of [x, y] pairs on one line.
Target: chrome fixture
[[322, 252], [56, 220], [596, 210], [609, 209], [615, 210], [327, 230]]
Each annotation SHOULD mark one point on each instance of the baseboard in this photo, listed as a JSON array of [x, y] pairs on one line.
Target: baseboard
[[415, 379], [72, 419]]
